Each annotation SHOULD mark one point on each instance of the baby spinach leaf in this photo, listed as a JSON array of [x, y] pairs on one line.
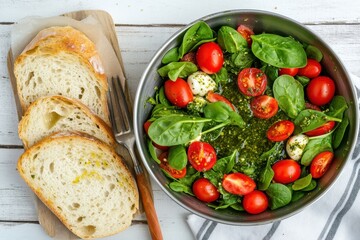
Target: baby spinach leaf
[[226, 164], [311, 186], [278, 51], [161, 110], [152, 151], [314, 53], [176, 129], [184, 184], [177, 157], [340, 132], [275, 153], [196, 33], [231, 40], [271, 72], [279, 195], [180, 187], [297, 195], [314, 147], [171, 56], [265, 177], [303, 80], [176, 70], [309, 119], [162, 98], [221, 112], [302, 183], [337, 107], [221, 76], [290, 95]]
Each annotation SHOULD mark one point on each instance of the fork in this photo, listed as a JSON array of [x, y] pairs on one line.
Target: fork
[[124, 135]]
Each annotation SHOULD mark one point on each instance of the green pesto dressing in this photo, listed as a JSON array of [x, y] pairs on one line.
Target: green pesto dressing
[[250, 141]]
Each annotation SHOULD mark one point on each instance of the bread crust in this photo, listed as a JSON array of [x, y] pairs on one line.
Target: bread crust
[[23, 124], [53, 139]]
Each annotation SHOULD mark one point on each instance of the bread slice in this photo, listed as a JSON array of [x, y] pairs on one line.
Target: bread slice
[[52, 114], [83, 182], [62, 61]]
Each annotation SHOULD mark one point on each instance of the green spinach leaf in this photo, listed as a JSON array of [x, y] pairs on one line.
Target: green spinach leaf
[[278, 51], [231, 40], [279, 195], [290, 95], [314, 147], [176, 70], [302, 183], [221, 112], [177, 157], [171, 56], [221, 76], [340, 132], [184, 184], [303, 80], [337, 107], [314, 53], [311, 186], [152, 151]]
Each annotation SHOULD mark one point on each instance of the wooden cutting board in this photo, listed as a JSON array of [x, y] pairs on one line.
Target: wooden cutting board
[[51, 224]]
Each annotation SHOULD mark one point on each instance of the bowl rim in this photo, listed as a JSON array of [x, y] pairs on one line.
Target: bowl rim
[[165, 45]]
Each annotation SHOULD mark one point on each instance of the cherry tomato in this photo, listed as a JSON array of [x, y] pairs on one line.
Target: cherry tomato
[[320, 164], [320, 90], [288, 71], [264, 106], [252, 81], [209, 57], [238, 183], [215, 97], [205, 191], [246, 32], [312, 106], [202, 156], [146, 128], [178, 92], [280, 130], [311, 70], [164, 164], [255, 202], [325, 128], [286, 171]]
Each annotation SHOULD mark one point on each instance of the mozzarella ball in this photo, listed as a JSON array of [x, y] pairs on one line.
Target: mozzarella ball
[[200, 83], [295, 146]]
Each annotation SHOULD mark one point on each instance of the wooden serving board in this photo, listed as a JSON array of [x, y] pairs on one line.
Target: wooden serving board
[[51, 224]]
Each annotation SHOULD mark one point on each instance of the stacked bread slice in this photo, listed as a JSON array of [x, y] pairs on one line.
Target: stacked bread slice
[[70, 162]]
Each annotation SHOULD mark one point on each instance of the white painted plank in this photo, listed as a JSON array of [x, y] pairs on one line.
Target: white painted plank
[[184, 11], [139, 44]]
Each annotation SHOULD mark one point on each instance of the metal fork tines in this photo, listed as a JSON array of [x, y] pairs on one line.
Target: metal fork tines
[[122, 124]]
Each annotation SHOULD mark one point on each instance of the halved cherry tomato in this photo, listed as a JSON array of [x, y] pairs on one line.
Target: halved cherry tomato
[[311, 70], [201, 155], [238, 183], [288, 71], [255, 202], [280, 130], [286, 171], [209, 57], [146, 128], [164, 164], [252, 81], [264, 106], [205, 191], [320, 164], [215, 97], [311, 106], [178, 92], [320, 90], [325, 128], [246, 32]]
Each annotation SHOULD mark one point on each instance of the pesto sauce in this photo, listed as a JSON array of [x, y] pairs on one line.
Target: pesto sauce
[[250, 141]]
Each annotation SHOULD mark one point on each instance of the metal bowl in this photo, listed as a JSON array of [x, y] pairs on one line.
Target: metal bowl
[[260, 21]]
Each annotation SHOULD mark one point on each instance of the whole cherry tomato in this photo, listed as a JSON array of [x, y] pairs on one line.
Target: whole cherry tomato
[[286, 171], [178, 92], [209, 57], [205, 191], [320, 90], [311, 70], [288, 71], [255, 202]]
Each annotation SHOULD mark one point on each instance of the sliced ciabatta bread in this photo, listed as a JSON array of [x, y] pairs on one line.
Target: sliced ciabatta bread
[[62, 61], [83, 182], [52, 114]]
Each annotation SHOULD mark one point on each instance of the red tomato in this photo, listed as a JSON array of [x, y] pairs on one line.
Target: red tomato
[[202, 156], [264, 106], [311, 70], [164, 164], [214, 97], [280, 130], [146, 128], [252, 81], [288, 71], [246, 32], [178, 92], [205, 191], [238, 183], [255, 202], [286, 171], [209, 57], [320, 90], [325, 128], [320, 164], [312, 106]]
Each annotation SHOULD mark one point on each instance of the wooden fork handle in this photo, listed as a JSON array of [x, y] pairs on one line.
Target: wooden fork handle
[[148, 203]]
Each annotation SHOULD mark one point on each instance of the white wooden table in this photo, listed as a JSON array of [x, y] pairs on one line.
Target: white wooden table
[[142, 26]]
